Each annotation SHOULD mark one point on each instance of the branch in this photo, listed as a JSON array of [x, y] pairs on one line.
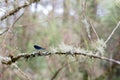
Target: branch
[[21, 72], [57, 72], [3, 31], [118, 24], [11, 27], [12, 12], [12, 59]]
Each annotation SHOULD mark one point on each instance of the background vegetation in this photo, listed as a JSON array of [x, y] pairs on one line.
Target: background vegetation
[[49, 23]]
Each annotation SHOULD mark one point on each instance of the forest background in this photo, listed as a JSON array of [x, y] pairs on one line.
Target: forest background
[[83, 37]]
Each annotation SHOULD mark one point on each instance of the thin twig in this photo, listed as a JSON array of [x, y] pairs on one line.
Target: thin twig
[[88, 23], [4, 31], [112, 32], [94, 30], [11, 27], [57, 72], [87, 27], [15, 65], [12, 12]]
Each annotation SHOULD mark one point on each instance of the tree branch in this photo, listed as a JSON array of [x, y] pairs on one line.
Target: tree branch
[[9, 60], [12, 12]]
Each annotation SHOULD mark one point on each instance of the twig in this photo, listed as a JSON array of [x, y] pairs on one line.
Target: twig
[[11, 27], [88, 23], [112, 32], [4, 31], [15, 65], [57, 72], [87, 26], [12, 12], [94, 30]]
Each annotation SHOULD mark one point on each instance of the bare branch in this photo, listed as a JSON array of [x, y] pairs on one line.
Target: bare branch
[[11, 27], [88, 23], [112, 32], [12, 12], [57, 72], [2, 32], [94, 30], [27, 78], [36, 54]]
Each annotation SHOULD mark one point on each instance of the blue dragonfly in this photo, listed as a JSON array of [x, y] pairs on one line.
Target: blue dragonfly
[[38, 47]]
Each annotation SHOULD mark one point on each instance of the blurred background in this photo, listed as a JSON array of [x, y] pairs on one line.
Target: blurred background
[[50, 22]]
